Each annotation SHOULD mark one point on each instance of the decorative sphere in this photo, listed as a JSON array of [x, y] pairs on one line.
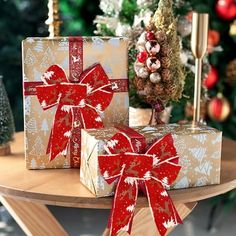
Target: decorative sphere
[[143, 73], [155, 77], [153, 64], [153, 47], [219, 108], [142, 56], [150, 35]]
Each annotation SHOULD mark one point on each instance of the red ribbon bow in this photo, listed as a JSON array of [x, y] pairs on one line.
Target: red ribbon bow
[[78, 104], [152, 171]]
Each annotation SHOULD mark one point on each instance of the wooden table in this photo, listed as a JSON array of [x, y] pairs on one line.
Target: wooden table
[[25, 192]]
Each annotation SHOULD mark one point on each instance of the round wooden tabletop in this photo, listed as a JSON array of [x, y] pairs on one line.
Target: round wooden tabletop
[[62, 187]]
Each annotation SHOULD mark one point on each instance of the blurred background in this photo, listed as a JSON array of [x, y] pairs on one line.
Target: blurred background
[[23, 18]]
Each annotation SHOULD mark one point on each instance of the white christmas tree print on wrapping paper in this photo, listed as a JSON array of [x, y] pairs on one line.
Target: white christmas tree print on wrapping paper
[[31, 126], [48, 58], [98, 43], [33, 164], [37, 75], [63, 45], [204, 168], [200, 137], [30, 58], [38, 148], [39, 46], [198, 153], [182, 183], [44, 127], [27, 105]]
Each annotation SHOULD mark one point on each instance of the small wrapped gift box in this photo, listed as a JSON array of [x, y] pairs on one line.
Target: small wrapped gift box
[[70, 83], [199, 151]]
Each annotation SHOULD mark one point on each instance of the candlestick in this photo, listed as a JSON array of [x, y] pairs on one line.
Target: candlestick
[[53, 20], [199, 38]]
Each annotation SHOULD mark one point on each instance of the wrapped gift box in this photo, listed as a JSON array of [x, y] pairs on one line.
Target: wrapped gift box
[[199, 150], [74, 55]]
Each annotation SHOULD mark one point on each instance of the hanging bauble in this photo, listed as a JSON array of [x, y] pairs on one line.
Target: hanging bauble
[[211, 78], [213, 40], [155, 77], [153, 47], [232, 31], [231, 72], [153, 64], [184, 26], [219, 108], [226, 9]]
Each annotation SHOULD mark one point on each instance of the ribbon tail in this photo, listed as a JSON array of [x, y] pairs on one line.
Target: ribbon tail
[[123, 205], [61, 132], [162, 207]]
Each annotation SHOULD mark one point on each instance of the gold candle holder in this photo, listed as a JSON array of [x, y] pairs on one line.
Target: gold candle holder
[[199, 39], [53, 20]]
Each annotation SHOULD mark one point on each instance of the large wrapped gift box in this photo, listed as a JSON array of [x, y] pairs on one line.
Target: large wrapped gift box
[[52, 68], [199, 151]]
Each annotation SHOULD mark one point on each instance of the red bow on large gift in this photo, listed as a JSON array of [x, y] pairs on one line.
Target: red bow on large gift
[[78, 104], [152, 171]]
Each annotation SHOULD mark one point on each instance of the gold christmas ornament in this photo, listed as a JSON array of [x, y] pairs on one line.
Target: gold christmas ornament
[[219, 108], [232, 31], [231, 72]]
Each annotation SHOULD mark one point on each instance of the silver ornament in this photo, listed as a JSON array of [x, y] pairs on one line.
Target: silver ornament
[[184, 27], [153, 64], [143, 73], [140, 70], [155, 77], [153, 47]]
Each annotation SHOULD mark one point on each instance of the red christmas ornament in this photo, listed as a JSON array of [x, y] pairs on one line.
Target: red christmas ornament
[[226, 9], [211, 78], [213, 40], [142, 57], [219, 108], [150, 35]]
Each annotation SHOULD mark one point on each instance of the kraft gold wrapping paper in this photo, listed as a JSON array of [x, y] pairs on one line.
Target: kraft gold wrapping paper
[[40, 53], [199, 151]]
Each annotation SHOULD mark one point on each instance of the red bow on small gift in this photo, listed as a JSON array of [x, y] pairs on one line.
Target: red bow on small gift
[[152, 171], [78, 104]]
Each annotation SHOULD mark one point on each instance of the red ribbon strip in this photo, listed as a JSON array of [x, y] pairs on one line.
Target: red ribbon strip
[[87, 99], [154, 170]]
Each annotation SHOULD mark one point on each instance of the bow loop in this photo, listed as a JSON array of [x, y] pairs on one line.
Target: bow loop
[[151, 172], [78, 104]]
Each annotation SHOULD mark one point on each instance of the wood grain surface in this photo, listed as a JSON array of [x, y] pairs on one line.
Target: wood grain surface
[[63, 187]]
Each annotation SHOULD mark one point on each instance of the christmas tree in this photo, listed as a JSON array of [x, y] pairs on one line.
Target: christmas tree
[[131, 17], [6, 118]]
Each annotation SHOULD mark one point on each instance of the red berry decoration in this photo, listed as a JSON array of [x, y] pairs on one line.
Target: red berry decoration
[[226, 9], [211, 78], [150, 35], [219, 108], [142, 56]]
